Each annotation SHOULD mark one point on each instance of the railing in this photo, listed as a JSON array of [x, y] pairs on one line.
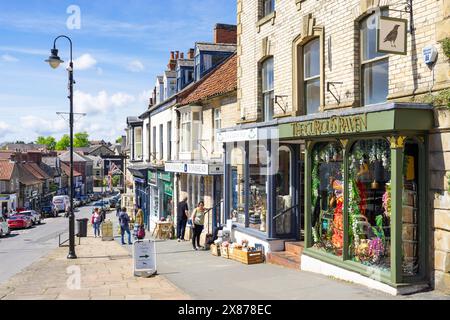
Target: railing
[[285, 211], [211, 209]]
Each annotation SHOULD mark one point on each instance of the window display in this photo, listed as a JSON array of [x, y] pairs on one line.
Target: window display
[[237, 185], [258, 186], [370, 203], [328, 197]]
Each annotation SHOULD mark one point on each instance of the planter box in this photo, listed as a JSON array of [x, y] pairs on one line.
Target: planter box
[[215, 250], [225, 252], [245, 257]]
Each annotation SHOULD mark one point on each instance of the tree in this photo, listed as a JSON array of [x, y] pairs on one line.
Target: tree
[[50, 142], [81, 140], [64, 143], [119, 140]]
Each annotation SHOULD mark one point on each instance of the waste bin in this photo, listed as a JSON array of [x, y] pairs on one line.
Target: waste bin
[[82, 228]]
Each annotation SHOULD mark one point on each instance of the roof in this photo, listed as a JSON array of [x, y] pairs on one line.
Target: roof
[[25, 147], [76, 157], [26, 177], [6, 155], [221, 80], [36, 171], [218, 47], [170, 74], [6, 169], [186, 63], [134, 121], [66, 169]]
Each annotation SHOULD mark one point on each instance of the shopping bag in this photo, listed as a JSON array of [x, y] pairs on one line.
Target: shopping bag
[[141, 233]]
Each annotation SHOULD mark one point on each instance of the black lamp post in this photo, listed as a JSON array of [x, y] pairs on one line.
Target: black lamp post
[[55, 61]]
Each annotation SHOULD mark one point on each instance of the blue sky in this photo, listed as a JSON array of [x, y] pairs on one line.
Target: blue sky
[[119, 50]]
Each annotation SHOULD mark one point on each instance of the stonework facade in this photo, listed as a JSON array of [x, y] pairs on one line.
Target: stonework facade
[[336, 23]]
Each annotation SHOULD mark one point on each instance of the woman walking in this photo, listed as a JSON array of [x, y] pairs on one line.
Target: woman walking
[[96, 221], [198, 221], [138, 223]]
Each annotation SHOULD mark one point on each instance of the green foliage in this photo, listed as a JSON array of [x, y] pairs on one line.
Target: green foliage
[[64, 143], [81, 140], [441, 99], [50, 142], [119, 140], [116, 181], [446, 46], [378, 230]]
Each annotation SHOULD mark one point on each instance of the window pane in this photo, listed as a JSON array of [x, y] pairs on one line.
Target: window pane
[[258, 186], [328, 198], [268, 7], [369, 28], [237, 185], [195, 136], [267, 75], [283, 224], [376, 81], [268, 106], [369, 203], [312, 96], [311, 58], [207, 62]]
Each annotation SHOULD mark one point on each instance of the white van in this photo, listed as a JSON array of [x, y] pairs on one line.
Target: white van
[[61, 203]]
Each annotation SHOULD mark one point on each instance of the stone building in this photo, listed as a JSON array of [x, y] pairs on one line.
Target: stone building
[[342, 144]]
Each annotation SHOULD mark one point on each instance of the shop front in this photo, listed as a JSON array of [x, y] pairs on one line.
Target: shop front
[[161, 194], [141, 194], [8, 203], [366, 194]]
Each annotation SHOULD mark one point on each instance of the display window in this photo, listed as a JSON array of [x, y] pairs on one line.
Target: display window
[[328, 197], [284, 191], [238, 185], [258, 167], [370, 203]]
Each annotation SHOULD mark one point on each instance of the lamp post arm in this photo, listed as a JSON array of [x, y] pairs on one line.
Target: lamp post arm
[[71, 45]]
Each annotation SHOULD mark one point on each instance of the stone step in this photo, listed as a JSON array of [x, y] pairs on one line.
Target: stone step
[[294, 247], [285, 259]]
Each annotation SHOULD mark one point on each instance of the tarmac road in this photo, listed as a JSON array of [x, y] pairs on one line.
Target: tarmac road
[[23, 247]]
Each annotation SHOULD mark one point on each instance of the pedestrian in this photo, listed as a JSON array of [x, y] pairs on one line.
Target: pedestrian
[[96, 221], [182, 218], [124, 221], [138, 224], [198, 222]]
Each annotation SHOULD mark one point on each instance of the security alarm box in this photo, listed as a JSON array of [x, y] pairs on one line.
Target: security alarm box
[[429, 54]]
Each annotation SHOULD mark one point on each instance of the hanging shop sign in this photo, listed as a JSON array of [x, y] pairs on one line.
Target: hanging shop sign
[[331, 126], [152, 177], [392, 35]]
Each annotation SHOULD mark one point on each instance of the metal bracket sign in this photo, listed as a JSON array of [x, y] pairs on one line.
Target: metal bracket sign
[[144, 258]]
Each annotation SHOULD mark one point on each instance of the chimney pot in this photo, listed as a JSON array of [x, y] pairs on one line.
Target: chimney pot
[[172, 55], [182, 55]]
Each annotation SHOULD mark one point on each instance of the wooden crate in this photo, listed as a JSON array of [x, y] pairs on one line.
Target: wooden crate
[[215, 251], [225, 252], [247, 257]]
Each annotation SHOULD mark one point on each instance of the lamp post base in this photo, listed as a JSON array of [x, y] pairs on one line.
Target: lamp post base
[[72, 256]]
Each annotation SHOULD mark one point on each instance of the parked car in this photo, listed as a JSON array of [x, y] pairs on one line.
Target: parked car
[[103, 204], [112, 203], [85, 200], [33, 215], [61, 203], [4, 228], [19, 221], [76, 203], [48, 211]]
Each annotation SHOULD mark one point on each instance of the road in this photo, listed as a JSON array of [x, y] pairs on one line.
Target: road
[[23, 247]]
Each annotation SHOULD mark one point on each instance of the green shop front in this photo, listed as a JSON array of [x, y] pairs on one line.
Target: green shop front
[[160, 194], [366, 193]]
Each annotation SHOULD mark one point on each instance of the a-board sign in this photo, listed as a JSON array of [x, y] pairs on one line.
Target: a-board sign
[[144, 258]]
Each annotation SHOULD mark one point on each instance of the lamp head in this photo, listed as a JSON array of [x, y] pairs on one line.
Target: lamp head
[[54, 60]]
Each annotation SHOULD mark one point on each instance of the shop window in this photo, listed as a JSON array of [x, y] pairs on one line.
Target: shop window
[[410, 214], [370, 203], [237, 170], [283, 224], [258, 167], [267, 77], [374, 65], [311, 76], [328, 197]]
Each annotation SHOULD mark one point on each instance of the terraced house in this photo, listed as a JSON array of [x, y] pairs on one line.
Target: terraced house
[[338, 163]]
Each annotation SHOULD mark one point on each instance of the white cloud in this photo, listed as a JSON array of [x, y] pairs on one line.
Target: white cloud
[[84, 62], [100, 103], [41, 126], [9, 58], [145, 96], [4, 128], [136, 66]]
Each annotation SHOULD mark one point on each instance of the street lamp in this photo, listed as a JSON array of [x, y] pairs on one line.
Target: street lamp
[[55, 61]]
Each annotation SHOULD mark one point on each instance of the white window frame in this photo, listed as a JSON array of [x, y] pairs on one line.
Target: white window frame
[[189, 143], [138, 144], [217, 115]]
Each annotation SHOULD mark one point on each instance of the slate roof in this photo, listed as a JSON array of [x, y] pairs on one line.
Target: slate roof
[[76, 157], [186, 63], [221, 80], [216, 47], [36, 171], [26, 177]]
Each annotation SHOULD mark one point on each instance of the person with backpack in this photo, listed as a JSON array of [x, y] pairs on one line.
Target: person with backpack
[[96, 221], [124, 220]]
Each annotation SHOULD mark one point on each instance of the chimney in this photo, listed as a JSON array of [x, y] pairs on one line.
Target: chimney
[[182, 55], [172, 62], [191, 54], [177, 55], [225, 33]]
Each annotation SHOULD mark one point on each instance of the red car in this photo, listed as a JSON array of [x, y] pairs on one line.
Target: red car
[[19, 222]]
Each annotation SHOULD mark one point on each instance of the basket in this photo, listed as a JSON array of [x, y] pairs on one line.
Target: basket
[[225, 252], [246, 257], [215, 251]]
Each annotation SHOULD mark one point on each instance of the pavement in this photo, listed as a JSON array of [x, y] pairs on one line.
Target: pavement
[[103, 271]]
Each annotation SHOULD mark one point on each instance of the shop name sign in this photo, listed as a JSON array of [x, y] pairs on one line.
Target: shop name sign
[[331, 126]]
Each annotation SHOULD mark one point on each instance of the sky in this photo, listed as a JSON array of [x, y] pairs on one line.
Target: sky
[[119, 49]]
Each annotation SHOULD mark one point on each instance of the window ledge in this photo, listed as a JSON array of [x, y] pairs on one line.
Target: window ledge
[[247, 121], [251, 232], [270, 17], [283, 115]]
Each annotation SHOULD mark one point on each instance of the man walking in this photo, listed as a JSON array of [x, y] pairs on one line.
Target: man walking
[[182, 218], [124, 221]]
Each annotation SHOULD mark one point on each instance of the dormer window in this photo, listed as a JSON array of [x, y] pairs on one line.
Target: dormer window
[[138, 143]]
